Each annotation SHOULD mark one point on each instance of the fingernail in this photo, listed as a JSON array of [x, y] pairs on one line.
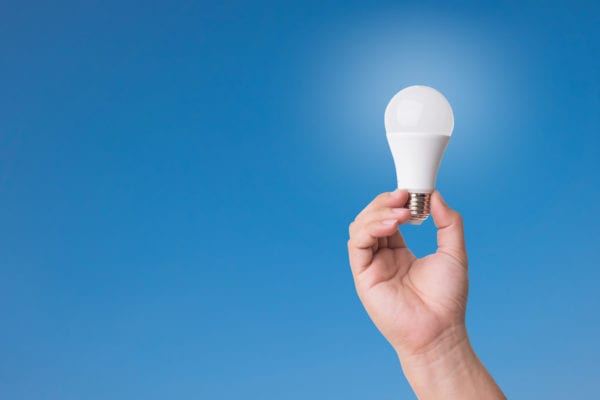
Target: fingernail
[[396, 192], [399, 210], [389, 221]]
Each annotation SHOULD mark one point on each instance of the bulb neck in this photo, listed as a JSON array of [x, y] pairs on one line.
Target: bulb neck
[[419, 205]]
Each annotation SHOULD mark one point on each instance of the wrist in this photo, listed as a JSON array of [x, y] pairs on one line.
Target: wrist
[[448, 368], [452, 342]]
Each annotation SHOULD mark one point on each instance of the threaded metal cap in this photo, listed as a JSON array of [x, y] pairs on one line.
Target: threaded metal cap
[[419, 205]]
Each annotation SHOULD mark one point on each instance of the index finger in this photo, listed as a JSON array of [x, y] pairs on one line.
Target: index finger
[[397, 198], [373, 223]]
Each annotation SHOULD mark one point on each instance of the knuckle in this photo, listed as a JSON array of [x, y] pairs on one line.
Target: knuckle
[[456, 217], [350, 243], [353, 228]]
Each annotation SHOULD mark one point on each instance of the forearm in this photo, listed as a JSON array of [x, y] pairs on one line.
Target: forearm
[[449, 369]]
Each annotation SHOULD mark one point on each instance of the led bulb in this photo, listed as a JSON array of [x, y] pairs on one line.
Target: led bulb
[[418, 122]]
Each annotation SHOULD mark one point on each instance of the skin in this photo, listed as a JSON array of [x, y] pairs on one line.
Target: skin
[[419, 304]]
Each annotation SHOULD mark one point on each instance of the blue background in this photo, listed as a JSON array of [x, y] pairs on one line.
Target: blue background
[[176, 181]]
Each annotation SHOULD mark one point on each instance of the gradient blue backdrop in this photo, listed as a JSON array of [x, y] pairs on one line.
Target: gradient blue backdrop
[[176, 180]]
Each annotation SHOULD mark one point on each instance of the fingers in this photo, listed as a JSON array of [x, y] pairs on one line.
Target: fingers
[[396, 241], [397, 198], [365, 235], [379, 219], [450, 235]]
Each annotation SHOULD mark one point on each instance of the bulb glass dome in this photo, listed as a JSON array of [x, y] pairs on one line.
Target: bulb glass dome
[[419, 109]]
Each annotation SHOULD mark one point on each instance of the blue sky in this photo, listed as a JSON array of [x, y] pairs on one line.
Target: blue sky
[[176, 181]]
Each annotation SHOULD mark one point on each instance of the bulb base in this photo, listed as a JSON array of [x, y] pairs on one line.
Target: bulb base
[[419, 205]]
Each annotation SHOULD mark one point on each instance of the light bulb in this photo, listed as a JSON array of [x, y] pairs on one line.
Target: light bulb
[[418, 122]]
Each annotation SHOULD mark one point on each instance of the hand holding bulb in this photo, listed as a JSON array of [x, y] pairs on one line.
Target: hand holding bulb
[[419, 304]]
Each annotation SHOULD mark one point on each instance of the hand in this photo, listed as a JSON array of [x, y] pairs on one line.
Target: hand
[[414, 302], [419, 304]]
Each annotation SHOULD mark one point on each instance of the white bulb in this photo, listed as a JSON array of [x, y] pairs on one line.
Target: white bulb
[[418, 122]]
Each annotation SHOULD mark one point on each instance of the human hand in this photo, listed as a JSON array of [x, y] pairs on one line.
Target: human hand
[[419, 304], [413, 302]]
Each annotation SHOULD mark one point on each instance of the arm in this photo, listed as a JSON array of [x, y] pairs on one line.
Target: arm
[[419, 304]]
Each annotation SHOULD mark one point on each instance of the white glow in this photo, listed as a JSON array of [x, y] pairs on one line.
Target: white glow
[[356, 65]]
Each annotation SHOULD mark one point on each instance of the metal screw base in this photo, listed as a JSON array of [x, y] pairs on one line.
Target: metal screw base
[[418, 205]]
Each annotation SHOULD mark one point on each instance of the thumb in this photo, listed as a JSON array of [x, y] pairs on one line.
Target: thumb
[[450, 235]]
